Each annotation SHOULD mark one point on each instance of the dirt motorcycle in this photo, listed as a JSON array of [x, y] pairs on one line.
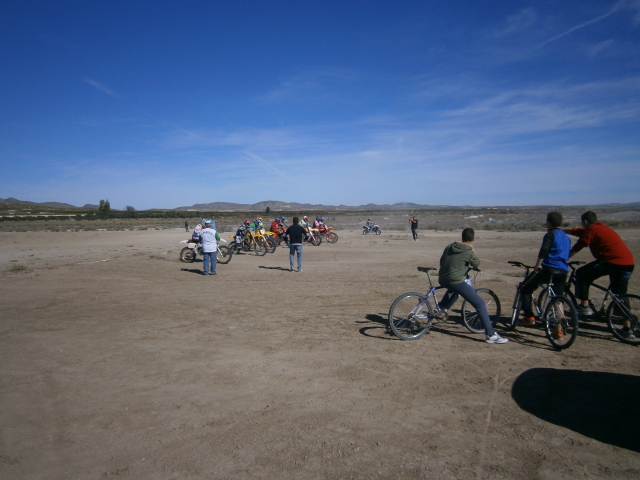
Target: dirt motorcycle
[[248, 244], [373, 228], [189, 253], [328, 234], [312, 236]]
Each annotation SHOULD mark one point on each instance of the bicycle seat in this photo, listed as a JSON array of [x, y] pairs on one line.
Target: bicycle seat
[[517, 264], [576, 262], [426, 269]]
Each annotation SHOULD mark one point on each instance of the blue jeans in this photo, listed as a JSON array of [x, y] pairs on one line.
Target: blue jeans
[[293, 249], [467, 292], [209, 260]]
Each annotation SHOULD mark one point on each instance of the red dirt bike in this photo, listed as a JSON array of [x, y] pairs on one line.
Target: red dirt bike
[[328, 234]]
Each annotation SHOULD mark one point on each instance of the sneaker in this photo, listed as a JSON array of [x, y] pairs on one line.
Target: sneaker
[[495, 338], [584, 311], [628, 334], [527, 322], [558, 334], [299, 269], [440, 314]]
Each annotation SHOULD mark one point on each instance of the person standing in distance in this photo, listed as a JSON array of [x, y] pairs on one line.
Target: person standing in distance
[[294, 236], [209, 239], [414, 228]]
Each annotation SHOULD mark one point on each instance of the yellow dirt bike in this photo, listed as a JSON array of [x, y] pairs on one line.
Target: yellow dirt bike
[[312, 236], [268, 238], [250, 243]]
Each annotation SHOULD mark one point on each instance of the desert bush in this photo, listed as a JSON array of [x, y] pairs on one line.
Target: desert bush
[[18, 267]]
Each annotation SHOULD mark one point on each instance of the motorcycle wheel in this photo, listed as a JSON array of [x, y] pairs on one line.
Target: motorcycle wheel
[[260, 248], [187, 255], [270, 244], [224, 255], [332, 237], [365, 230], [378, 231], [316, 240]]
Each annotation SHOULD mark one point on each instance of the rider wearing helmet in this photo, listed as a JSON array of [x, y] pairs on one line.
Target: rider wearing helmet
[[242, 230], [304, 223], [318, 222]]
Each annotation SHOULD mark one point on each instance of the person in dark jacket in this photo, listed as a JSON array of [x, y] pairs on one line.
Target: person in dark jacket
[[454, 262], [294, 236]]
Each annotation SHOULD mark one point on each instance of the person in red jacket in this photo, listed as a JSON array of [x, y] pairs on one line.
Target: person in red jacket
[[612, 256]]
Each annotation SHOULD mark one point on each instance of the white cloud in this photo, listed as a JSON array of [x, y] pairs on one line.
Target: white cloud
[[101, 87], [518, 22]]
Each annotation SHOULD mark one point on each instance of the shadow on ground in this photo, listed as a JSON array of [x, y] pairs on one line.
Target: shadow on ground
[[599, 405]]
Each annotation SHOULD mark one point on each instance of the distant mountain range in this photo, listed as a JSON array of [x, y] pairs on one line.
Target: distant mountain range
[[273, 205], [277, 206], [60, 205]]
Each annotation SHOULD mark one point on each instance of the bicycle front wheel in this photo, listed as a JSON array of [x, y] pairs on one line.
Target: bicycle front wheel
[[561, 322], [623, 319], [410, 316], [470, 316]]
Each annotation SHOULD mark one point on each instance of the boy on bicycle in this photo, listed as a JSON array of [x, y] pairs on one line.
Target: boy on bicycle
[[453, 267], [552, 262], [612, 256]]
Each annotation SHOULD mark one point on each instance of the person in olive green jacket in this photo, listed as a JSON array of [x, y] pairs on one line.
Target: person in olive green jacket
[[454, 262]]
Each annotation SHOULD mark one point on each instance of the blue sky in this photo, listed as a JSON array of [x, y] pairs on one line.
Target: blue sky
[[163, 104]]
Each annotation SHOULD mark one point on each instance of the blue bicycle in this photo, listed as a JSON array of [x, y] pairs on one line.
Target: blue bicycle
[[412, 314]]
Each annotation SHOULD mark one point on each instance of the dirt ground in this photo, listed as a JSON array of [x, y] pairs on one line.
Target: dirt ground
[[118, 360]]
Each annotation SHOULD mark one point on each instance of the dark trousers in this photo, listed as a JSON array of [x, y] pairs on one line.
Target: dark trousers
[[619, 276], [538, 278], [414, 232]]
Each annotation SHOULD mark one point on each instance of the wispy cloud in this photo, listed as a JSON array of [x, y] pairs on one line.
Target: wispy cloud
[[518, 22], [615, 8], [101, 87]]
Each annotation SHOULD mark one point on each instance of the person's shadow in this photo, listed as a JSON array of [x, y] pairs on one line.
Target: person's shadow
[[191, 270], [599, 405]]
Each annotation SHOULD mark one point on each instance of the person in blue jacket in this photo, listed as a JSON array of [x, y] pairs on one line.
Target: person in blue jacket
[[552, 261]]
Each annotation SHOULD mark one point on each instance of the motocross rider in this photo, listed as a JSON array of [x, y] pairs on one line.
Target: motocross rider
[[242, 229]]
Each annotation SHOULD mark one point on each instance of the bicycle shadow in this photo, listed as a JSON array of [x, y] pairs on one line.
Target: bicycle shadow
[[382, 328], [599, 405]]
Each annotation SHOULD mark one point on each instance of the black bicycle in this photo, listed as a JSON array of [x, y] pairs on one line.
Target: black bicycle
[[557, 312], [412, 314], [620, 311]]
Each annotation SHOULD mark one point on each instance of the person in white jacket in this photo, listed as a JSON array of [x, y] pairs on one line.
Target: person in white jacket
[[209, 239]]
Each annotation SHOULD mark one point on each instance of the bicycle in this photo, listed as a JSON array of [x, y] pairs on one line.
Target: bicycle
[[557, 312], [619, 311], [412, 314]]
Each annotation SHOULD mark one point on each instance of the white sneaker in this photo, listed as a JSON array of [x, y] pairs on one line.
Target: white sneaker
[[584, 311], [495, 338]]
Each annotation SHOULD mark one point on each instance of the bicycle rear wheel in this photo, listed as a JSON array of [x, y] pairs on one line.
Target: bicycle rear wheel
[[470, 316], [628, 311], [410, 316], [561, 322]]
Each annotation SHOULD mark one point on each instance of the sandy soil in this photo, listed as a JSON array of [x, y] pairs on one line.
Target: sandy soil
[[117, 360]]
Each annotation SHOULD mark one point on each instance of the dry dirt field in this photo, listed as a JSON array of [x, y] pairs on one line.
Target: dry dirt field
[[119, 361]]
